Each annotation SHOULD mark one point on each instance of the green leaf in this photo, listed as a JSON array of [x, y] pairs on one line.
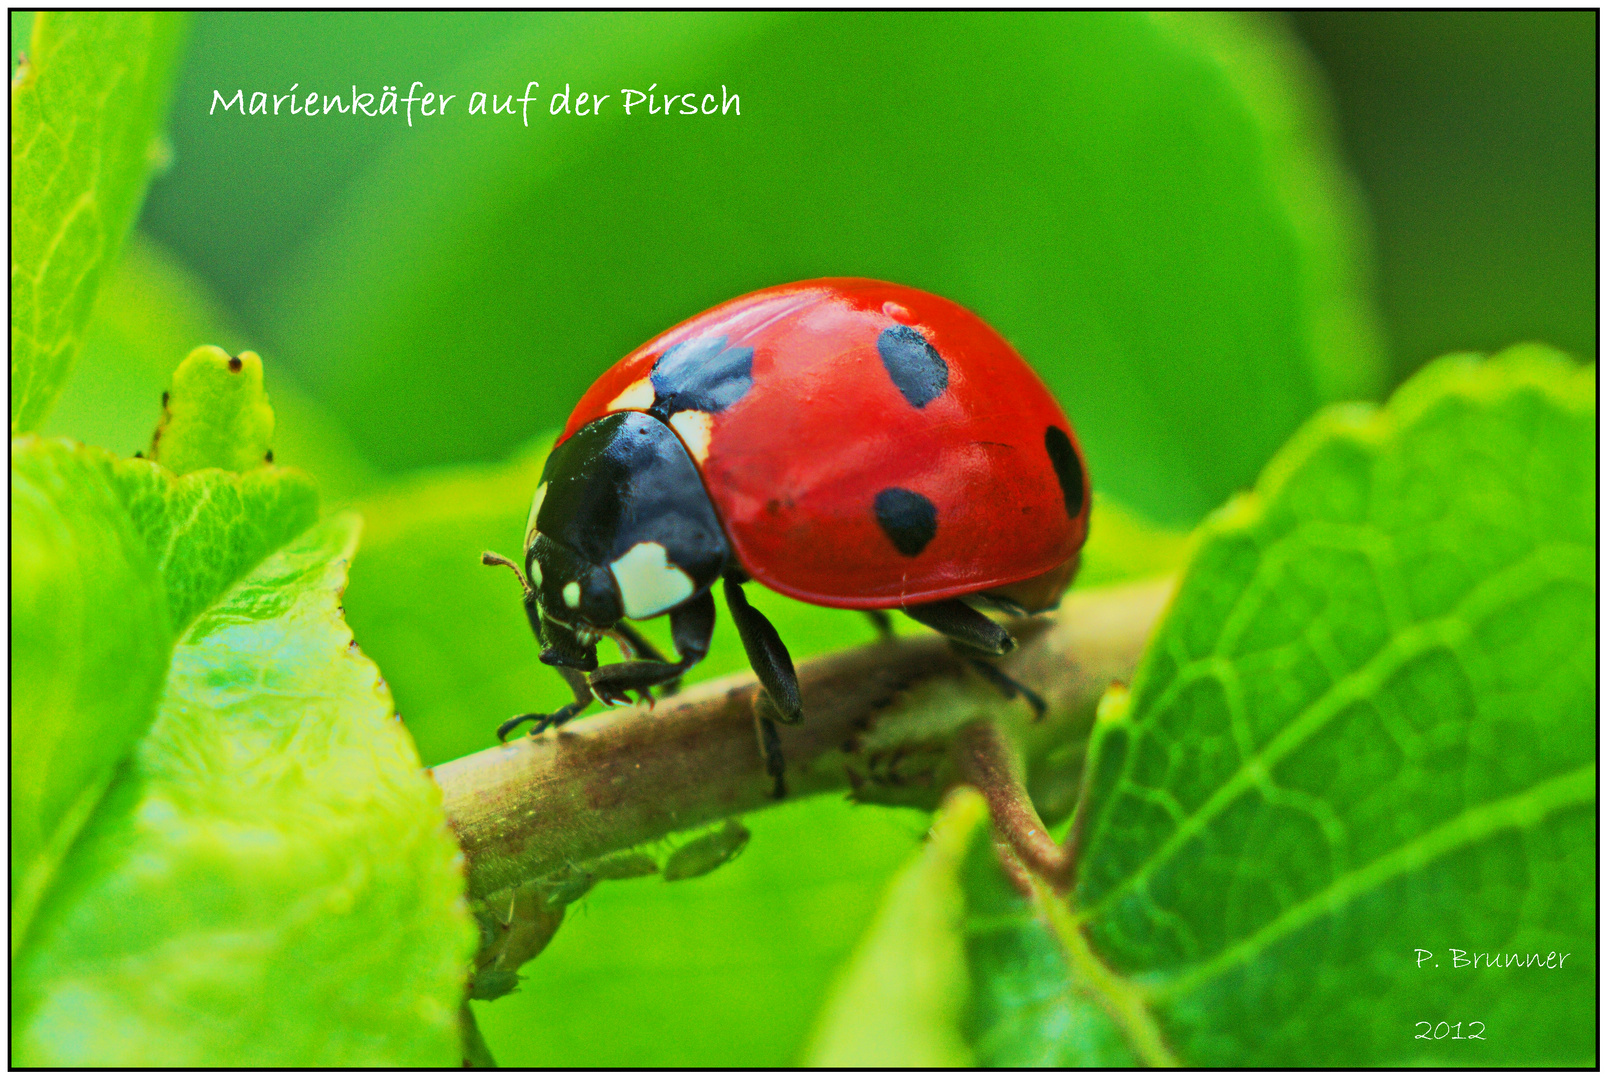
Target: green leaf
[[270, 881], [961, 969], [898, 1002], [90, 641], [86, 113], [1158, 234], [207, 529], [215, 414], [1366, 728], [1034, 1005]]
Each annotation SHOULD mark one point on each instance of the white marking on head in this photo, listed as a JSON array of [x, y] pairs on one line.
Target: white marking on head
[[649, 584], [639, 395], [694, 428], [535, 508], [572, 594], [533, 570]]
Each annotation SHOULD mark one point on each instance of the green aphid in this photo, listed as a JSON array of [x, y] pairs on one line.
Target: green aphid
[[493, 983], [624, 864], [567, 888], [707, 852]]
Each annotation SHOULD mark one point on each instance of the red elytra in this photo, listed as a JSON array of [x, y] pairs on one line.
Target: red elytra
[[795, 466]]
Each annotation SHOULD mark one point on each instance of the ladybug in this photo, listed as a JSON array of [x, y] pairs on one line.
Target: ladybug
[[848, 442]]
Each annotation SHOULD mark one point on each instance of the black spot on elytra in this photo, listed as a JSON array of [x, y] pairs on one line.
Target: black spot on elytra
[[913, 364], [702, 375], [234, 364], [909, 519], [1068, 469]]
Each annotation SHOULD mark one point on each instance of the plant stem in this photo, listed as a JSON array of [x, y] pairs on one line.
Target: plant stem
[[988, 763], [630, 776]]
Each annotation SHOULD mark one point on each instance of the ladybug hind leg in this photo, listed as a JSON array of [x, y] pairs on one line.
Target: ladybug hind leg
[[883, 624], [964, 625], [1007, 685], [774, 665], [978, 639], [691, 626]]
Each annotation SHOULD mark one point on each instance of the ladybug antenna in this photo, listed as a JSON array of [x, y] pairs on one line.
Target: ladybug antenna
[[491, 558]]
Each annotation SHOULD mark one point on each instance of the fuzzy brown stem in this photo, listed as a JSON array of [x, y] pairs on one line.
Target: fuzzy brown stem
[[629, 776], [988, 763]]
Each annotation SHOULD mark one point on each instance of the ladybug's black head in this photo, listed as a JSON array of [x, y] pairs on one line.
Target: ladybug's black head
[[621, 527]]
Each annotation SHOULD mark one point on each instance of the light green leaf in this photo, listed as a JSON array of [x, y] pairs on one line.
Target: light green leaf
[[271, 881], [215, 414], [86, 111], [899, 1000], [1033, 1004], [90, 640], [1367, 727], [210, 527]]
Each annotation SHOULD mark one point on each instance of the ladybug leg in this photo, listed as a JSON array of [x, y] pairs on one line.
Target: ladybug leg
[[767, 655], [770, 743], [560, 649], [965, 625], [977, 638], [543, 721], [1007, 685], [884, 625], [637, 647], [691, 626], [771, 662]]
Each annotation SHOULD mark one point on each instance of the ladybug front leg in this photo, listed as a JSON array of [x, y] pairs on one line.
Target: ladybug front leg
[[772, 663], [543, 721], [691, 627], [636, 647]]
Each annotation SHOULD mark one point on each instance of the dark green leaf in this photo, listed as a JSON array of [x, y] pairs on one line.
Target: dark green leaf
[[1174, 222], [1367, 728]]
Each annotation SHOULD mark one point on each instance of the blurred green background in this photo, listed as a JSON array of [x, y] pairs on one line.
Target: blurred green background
[[1197, 228]]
